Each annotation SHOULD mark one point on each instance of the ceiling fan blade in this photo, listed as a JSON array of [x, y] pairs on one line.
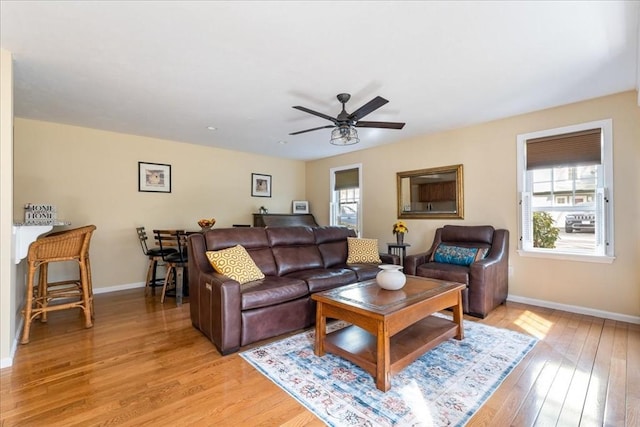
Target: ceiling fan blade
[[367, 108], [315, 113], [309, 130], [383, 125]]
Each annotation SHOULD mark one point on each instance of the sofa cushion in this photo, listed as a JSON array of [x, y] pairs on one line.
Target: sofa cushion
[[332, 243], [365, 271], [271, 290], [468, 233], [362, 251], [296, 258], [253, 239], [332, 233], [236, 264], [290, 236], [294, 249], [321, 279], [450, 254], [334, 253], [249, 238], [448, 272]]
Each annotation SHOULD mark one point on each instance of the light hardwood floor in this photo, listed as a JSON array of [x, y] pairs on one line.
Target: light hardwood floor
[[144, 364]]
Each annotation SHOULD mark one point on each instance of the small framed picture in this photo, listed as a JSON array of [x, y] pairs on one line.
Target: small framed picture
[[260, 185], [300, 207], [154, 177]]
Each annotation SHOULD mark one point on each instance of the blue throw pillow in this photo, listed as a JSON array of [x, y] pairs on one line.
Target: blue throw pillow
[[458, 255]]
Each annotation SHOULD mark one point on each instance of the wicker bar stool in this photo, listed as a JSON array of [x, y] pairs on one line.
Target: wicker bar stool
[[68, 245], [87, 262]]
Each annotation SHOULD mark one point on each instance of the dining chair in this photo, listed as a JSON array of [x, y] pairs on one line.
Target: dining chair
[[155, 258], [176, 262], [45, 296]]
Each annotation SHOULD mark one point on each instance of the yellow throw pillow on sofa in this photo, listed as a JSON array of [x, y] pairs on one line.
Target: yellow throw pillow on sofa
[[235, 263], [363, 251]]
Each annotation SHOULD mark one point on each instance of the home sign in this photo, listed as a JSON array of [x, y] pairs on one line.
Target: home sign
[[36, 213]]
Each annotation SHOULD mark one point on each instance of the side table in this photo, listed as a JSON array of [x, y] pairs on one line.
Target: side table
[[398, 249]]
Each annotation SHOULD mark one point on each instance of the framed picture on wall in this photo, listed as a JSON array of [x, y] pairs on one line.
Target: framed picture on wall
[[300, 207], [154, 177], [260, 185]]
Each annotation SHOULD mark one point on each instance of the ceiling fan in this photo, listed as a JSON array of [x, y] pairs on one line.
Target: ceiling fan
[[344, 132]]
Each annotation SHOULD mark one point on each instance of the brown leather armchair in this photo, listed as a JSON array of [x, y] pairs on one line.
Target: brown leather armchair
[[486, 278]]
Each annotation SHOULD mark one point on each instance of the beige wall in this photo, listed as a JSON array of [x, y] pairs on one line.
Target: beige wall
[[488, 153], [92, 178]]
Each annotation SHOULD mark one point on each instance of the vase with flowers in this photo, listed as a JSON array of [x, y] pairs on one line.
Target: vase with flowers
[[399, 228]]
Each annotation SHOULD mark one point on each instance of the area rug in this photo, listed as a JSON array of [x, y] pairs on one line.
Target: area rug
[[444, 387]]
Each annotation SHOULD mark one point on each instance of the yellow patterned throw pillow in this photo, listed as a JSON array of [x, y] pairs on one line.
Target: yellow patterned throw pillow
[[362, 251], [235, 263]]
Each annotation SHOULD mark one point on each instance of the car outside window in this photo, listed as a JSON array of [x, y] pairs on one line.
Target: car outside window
[[565, 205], [348, 215]]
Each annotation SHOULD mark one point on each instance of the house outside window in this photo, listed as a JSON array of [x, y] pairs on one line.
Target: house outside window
[[565, 186]]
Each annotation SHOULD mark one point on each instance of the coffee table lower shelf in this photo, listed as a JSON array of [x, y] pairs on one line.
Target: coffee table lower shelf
[[360, 347]]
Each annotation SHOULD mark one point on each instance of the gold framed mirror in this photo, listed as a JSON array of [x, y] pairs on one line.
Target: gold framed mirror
[[435, 193]]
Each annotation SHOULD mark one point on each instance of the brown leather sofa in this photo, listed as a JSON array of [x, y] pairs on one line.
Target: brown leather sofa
[[486, 279], [296, 262]]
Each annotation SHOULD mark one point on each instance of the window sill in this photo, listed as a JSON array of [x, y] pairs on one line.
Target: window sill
[[566, 256]]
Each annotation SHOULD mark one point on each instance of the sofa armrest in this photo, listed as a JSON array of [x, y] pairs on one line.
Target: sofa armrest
[[390, 258], [197, 263], [479, 270], [214, 299], [220, 311], [483, 283], [488, 277], [411, 262]]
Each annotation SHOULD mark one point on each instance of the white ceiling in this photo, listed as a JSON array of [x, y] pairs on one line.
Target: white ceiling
[[169, 69]]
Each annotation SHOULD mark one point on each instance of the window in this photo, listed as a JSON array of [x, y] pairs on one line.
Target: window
[[345, 197], [565, 184]]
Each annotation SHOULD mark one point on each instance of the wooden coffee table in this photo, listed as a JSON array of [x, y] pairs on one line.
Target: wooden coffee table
[[389, 329]]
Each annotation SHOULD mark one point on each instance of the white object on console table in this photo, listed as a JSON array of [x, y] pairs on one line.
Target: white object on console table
[[25, 234]]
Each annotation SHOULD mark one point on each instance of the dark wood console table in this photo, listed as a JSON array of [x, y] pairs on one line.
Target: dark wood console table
[[399, 249], [283, 220]]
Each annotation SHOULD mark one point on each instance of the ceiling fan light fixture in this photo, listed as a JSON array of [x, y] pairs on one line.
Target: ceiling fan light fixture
[[344, 135]]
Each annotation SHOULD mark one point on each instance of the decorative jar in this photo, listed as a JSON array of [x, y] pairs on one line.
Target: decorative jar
[[206, 224], [391, 278]]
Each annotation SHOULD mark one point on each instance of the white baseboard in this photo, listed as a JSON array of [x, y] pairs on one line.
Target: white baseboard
[[123, 287], [8, 361], [575, 309]]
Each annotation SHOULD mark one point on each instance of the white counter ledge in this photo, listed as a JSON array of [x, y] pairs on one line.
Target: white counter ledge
[[25, 234]]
